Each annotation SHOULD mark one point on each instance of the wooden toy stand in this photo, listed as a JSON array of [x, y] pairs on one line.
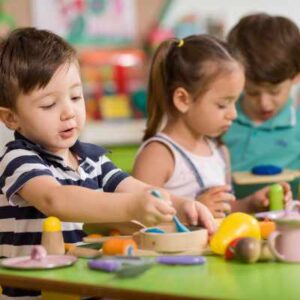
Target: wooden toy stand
[[249, 178]]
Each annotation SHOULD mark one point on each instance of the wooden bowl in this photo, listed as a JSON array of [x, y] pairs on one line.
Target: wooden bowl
[[171, 241]]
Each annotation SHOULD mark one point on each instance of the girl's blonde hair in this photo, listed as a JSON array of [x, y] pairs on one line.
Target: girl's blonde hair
[[192, 63]]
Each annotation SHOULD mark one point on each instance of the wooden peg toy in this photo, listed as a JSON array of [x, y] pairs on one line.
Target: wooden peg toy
[[52, 237]]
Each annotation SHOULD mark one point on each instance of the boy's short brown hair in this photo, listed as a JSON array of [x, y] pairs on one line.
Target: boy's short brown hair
[[28, 59], [269, 47]]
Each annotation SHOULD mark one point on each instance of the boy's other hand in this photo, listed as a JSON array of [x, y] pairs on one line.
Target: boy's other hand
[[217, 199], [195, 213]]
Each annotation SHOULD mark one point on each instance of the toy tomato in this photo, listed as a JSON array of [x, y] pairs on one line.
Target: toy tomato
[[230, 250]]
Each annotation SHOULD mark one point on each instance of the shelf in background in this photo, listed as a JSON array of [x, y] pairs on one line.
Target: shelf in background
[[123, 132]]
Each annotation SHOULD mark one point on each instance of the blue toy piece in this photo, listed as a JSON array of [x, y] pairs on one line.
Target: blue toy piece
[[154, 230], [266, 170]]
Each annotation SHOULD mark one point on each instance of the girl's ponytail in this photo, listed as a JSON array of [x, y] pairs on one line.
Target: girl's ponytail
[[157, 89]]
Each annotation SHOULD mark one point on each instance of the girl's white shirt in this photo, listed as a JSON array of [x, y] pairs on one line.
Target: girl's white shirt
[[182, 182]]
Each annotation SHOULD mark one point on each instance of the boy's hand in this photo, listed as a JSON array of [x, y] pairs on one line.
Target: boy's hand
[[150, 210], [217, 199], [196, 213], [260, 199]]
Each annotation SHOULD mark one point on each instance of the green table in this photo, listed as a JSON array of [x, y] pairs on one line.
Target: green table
[[217, 279]]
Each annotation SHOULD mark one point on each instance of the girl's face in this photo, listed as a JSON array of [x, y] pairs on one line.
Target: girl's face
[[263, 101], [53, 116], [212, 113]]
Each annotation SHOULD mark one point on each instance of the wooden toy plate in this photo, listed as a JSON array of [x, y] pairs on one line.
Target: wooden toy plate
[[125, 228]]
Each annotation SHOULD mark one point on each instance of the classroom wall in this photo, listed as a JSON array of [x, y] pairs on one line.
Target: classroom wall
[[148, 10], [232, 10]]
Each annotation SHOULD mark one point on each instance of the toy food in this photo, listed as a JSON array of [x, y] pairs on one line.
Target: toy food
[[233, 226], [115, 246], [276, 197], [248, 250]]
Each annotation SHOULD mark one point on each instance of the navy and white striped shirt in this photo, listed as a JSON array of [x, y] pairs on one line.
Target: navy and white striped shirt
[[22, 160]]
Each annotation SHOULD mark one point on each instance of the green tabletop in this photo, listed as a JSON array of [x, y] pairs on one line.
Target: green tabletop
[[217, 279]]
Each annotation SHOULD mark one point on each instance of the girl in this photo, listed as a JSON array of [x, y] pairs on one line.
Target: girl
[[194, 83]]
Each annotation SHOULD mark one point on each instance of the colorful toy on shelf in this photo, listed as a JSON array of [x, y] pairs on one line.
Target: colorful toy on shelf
[[52, 237], [233, 226], [110, 78], [276, 197], [115, 107]]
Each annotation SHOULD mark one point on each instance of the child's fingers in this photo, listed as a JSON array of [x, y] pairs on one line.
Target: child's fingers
[[224, 197], [287, 191], [156, 218], [164, 196], [223, 206], [264, 201], [205, 217], [164, 207], [218, 189], [219, 214], [288, 197]]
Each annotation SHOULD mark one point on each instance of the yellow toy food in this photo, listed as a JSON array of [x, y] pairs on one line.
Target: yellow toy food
[[234, 226]]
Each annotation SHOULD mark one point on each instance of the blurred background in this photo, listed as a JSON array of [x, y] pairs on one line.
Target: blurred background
[[115, 40]]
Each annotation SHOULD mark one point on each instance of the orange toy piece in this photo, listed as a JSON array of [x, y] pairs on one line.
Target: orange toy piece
[[95, 236], [119, 247], [266, 228], [114, 232]]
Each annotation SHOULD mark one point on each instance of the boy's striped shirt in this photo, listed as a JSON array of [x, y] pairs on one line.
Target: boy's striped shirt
[[22, 160]]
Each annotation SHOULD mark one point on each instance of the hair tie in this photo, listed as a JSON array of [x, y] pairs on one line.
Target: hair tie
[[180, 43]]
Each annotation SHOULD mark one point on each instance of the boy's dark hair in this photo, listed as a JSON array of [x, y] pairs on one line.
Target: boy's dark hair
[[193, 64], [28, 59], [269, 47]]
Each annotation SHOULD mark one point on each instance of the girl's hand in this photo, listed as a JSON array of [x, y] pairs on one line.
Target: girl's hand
[[217, 199], [260, 199], [196, 213], [150, 210]]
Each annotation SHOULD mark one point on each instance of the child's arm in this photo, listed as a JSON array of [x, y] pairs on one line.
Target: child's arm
[[154, 164], [192, 212], [219, 199], [79, 204], [259, 200]]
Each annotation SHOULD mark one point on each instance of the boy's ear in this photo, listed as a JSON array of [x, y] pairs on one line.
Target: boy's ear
[[8, 117], [182, 100]]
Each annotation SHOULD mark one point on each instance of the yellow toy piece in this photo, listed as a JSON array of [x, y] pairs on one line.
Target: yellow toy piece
[[51, 224], [234, 226], [115, 107]]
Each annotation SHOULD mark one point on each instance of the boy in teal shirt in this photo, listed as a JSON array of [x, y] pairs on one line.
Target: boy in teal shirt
[[267, 128]]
